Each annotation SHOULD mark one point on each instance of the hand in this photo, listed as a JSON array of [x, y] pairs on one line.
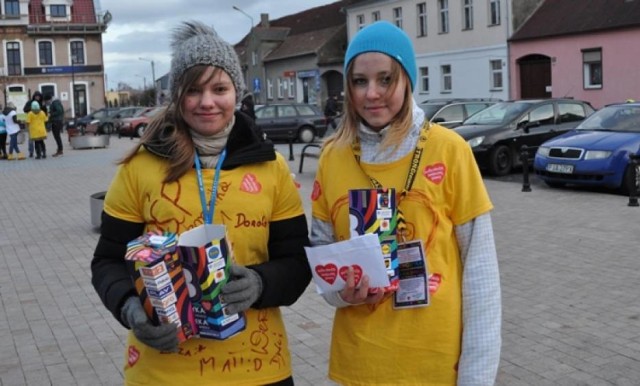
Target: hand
[[362, 293], [242, 290], [163, 337]]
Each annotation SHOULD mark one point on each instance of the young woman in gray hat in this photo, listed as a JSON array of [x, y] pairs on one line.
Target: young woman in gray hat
[[165, 183]]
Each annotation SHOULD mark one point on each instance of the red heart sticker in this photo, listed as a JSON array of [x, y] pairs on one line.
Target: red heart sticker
[[250, 184], [357, 271], [327, 272], [317, 191], [134, 355], [435, 173]]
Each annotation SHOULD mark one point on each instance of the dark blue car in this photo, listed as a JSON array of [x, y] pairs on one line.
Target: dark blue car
[[596, 152]]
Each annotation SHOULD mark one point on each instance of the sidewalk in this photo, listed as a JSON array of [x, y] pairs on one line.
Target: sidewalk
[[568, 259]]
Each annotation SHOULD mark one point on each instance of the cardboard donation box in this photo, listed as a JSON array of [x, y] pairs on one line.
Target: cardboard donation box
[[179, 280], [375, 211]]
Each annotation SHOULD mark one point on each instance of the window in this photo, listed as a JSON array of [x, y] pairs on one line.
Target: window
[[254, 58], [592, 68], [467, 14], [14, 63], [446, 80], [280, 86], [397, 17], [360, 21], [494, 12], [266, 112], [570, 112], [453, 113], [48, 89], [14, 88], [45, 53], [12, 7], [375, 15], [269, 89], [291, 91], [424, 79], [542, 115], [443, 9], [287, 111], [305, 111], [496, 74], [422, 19], [77, 52], [58, 10]]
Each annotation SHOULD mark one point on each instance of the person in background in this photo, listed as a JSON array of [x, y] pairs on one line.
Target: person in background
[[247, 106], [36, 97], [331, 110], [157, 187], [36, 120], [13, 128], [3, 136], [56, 119], [385, 141]]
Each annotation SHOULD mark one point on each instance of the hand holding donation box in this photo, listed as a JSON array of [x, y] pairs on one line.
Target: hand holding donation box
[[179, 281], [330, 263]]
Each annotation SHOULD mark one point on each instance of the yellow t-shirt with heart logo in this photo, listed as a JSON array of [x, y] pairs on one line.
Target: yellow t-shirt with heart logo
[[416, 346]]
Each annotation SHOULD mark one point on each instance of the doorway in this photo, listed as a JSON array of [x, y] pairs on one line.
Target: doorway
[[535, 76]]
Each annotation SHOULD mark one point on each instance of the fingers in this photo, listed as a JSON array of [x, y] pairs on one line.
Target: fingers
[[236, 285], [163, 337], [361, 292]]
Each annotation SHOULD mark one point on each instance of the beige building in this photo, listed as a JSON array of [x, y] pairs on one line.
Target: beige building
[[56, 48]]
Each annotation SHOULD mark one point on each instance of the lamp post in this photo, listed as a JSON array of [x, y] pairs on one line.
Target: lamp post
[[73, 85], [144, 81], [248, 73], [246, 14], [153, 78]]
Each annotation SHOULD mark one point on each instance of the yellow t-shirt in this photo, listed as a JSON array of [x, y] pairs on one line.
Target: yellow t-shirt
[[417, 346], [248, 199], [37, 128]]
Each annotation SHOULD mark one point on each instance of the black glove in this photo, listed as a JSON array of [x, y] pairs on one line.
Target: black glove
[[163, 337], [242, 290]]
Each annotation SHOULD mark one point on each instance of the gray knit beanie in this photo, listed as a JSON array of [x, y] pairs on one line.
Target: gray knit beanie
[[195, 43]]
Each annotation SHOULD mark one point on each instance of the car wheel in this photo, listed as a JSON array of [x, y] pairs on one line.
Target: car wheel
[[107, 128], [629, 179], [140, 130], [500, 161], [554, 184], [306, 134], [81, 129]]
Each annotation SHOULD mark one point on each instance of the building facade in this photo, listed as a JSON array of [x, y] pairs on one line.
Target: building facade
[[54, 47]]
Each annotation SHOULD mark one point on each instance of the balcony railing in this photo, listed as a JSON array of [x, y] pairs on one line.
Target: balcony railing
[[80, 24]]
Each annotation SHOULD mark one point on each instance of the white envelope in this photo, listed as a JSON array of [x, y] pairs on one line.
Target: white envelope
[[330, 262]]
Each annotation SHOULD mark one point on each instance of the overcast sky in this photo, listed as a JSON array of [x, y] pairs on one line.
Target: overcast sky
[[142, 28]]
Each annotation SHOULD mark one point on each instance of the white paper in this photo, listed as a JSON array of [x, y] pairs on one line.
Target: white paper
[[201, 235], [329, 262]]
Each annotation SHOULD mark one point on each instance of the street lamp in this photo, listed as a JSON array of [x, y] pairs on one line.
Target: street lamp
[[244, 13], [153, 77], [249, 45], [73, 85], [144, 81]]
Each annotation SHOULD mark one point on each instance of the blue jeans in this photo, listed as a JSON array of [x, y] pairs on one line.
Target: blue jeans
[[13, 143]]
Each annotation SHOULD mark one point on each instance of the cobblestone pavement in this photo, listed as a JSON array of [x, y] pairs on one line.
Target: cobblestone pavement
[[568, 260]]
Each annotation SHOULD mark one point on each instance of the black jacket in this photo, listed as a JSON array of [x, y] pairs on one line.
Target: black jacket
[[27, 106], [284, 277]]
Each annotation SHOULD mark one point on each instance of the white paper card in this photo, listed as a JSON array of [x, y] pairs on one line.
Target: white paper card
[[202, 235], [329, 263]]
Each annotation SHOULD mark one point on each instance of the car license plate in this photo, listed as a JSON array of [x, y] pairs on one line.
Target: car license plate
[[558, 168]]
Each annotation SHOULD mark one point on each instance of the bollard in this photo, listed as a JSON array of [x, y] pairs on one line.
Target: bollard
[[633, 191], [291, 158], [524, 158]]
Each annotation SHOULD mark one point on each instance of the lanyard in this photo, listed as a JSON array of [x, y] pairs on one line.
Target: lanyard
[[207, 211], [415, 161]]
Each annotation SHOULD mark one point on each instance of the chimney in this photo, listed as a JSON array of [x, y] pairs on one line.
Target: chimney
[[264, 20]]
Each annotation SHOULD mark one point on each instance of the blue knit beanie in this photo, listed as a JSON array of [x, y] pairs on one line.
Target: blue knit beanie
[[388, 39]]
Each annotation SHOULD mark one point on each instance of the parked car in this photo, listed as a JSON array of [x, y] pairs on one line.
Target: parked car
[[596, 152], [126, 112], [100, 119], [301, 122], [497, 133], [134, 126], [452, 112]]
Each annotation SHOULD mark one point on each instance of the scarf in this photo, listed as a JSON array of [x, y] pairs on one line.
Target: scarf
[[210, 147]]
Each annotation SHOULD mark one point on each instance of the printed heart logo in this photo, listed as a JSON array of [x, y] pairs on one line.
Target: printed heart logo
[[250, 184], [434, 282], [316, 190], [206, 305], [357, 271], [435, 173], [134, 355], [327, 272]]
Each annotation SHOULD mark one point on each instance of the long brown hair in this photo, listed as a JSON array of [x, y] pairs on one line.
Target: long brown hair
[[401, 124], [169, 129]]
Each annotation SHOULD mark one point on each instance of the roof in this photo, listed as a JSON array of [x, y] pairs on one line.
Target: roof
[[303, 44], [82, 12], [314, 19], [566, 17]]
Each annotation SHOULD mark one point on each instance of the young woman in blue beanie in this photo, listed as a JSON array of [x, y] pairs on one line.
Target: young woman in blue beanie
[[200, 162], [441, 324]]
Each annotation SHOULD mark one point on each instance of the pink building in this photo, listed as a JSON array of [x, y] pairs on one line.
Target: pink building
[[585, 50]]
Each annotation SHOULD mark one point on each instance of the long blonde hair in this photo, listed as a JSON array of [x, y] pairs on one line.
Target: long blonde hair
[[400, 125], [169, 129]]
